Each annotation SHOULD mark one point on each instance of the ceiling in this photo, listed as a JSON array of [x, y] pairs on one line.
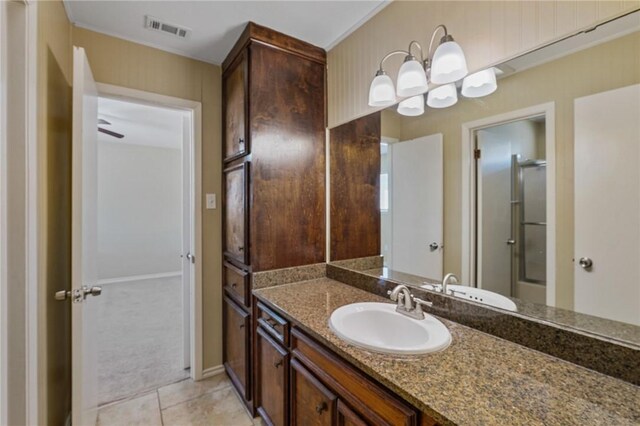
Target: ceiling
[[216, 25], [141, 124]]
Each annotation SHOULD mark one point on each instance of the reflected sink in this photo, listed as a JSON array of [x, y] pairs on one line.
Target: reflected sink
[[479, 295], [379, 328]]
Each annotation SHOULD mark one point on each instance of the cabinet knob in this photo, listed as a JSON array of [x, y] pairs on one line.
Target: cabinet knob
[[234, 285], [321, 407], [277, 363], [240, 248], [241, 325]]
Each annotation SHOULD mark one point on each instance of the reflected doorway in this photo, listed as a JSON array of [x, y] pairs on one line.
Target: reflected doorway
[[510, 209]]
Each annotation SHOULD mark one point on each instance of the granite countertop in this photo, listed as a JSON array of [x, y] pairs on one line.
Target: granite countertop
[[478, 380]]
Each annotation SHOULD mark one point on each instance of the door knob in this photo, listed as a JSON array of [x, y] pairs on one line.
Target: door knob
[[191, 258], [78, 294], [585, 263], [434, 246], [510, 242]]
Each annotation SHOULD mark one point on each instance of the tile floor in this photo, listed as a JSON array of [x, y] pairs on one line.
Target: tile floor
[[208, 402]]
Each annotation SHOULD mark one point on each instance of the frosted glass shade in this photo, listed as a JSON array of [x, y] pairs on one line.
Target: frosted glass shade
[[449, 63], [478, 84], [443, 96], [412, 107], [412, 80], [381, 92]]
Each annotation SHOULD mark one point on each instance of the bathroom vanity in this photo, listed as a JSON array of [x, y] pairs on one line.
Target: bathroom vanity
[[304, 371]]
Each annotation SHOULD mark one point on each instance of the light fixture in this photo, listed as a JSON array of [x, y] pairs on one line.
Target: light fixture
[[412, 107], [481, 83], [443, 96], [412, 79], [448, 64], [444, 67], [382, 93]]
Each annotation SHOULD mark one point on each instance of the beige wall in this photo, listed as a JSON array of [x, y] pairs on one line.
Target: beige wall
[[605, 67], [54, 142], [488, 31], [123, 63]]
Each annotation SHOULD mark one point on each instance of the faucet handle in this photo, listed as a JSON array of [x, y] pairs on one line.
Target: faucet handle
[[419, 304]]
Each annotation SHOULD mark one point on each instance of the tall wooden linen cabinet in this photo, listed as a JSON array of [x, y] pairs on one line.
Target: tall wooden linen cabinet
[[273, 176]]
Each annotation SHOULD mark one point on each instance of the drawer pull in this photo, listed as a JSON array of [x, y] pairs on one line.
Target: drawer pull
[[240, 248], [241, 325], [234, 285], [321, 407], [277, 363], [272, 322]]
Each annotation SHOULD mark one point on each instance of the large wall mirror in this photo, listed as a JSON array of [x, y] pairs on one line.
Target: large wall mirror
[[531, 194]]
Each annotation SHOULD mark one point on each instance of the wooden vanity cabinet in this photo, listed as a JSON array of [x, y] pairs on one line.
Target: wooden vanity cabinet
[[273, 201], [237, 336], [322, 388]]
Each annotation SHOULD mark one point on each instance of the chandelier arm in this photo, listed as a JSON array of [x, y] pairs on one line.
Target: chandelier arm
[[419, 48], [390, 54], [433, 37]]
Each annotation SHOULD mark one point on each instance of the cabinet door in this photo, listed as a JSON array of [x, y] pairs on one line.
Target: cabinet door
[[236, 346], [272, 375], [312, 404], [234, 92], [348, 417], [235, 213]]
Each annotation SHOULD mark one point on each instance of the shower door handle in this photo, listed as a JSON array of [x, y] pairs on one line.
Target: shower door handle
[[510, 242]]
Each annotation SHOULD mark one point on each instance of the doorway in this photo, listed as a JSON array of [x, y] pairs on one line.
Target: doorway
[[510, 219], [529, 179], [143, 241]]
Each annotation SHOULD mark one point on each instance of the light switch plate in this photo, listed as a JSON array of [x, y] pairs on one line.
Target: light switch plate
[[211, 201]]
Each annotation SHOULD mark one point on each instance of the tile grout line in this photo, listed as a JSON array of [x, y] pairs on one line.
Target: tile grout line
[[159, 406], [196, 397]]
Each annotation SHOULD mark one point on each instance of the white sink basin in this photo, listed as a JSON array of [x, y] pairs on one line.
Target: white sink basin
[[379, 328], [479, 295]]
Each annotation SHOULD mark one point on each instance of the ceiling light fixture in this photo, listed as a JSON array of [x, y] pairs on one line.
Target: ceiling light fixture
[[445, 66]]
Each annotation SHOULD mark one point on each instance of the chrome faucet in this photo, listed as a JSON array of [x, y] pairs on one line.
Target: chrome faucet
[[405, 299], [445, 282]]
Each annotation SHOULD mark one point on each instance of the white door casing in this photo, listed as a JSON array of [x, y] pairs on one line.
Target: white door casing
[[417, 201], [187, 238], [84, 376], [607, 204]]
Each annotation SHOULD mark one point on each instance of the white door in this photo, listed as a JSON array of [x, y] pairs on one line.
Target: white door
[[607, 204], [494, 212], [417, 204], [83, 246], [187, 239]]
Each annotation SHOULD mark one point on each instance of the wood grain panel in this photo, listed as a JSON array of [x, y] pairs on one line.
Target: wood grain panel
[[255, 32], [355, 188], [312, 404], [235, 117], [236, 180], [272, 380], [288, 159], [237, 363]]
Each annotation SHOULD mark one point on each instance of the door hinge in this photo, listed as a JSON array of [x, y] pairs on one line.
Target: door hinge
[[476, 154]]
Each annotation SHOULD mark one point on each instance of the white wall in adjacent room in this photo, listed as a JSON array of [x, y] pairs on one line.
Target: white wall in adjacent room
[[139, 209]]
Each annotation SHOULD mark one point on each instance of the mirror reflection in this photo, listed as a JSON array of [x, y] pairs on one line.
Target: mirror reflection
[[530, 196]]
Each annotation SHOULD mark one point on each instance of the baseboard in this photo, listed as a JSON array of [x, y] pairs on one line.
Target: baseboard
[[213, 371], [139, 277]]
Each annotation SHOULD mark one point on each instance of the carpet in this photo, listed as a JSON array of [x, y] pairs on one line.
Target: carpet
[[140, 345]]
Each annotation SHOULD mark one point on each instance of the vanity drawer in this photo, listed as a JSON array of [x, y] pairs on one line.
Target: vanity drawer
[[374, 403], [273, 323], [236, 282]]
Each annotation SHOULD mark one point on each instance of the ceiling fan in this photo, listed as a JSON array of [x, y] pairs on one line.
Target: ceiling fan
[[108, 132]]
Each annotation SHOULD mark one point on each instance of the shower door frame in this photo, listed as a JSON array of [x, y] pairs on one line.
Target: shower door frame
[[468, 204]]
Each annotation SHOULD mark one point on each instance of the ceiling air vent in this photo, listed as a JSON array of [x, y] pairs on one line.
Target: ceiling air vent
[[155, 24]]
